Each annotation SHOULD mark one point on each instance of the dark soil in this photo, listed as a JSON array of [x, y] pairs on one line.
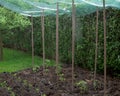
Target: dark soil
[[35, 82]]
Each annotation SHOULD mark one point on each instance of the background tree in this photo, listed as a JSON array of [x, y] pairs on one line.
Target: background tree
[[9, 21]]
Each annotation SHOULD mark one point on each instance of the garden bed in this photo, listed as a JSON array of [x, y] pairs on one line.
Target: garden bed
[[35, 82]]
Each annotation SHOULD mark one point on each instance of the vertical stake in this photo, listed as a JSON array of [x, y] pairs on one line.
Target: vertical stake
[[57, 37], [73, 41], [104, 21], [32, 41], [43, 39], [96, 49]]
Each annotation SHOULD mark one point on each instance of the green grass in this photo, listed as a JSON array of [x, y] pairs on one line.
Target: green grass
[[16, 60]]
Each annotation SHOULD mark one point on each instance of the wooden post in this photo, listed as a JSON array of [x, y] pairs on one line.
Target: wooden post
[[96, 49], [43, 38], [73, 41], [104, 21], [32, 41], [57, 37]]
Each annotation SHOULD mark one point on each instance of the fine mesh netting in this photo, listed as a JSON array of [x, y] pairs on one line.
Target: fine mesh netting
[[36, 7]]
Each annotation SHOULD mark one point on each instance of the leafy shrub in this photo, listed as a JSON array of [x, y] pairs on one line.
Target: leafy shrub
[[84, 43]]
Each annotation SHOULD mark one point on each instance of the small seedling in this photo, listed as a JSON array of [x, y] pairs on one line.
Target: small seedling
[[43, 95], [30, 85], [37, 90], [18, 78], [46, 70], [9, 89], [97, 84], [35, 68], [25, 82], [61, 77], [83, 86], [3, 84], [12, 94], [47, 61], [14, 74], [58, 68]]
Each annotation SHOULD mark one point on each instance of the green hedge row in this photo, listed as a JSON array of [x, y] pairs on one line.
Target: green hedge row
[[84, 43]]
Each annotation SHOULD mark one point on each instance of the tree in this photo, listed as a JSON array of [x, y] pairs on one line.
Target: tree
[[9, 21]]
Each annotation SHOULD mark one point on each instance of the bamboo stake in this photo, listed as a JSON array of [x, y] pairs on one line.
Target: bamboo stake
[[43, 39], [32, 41], [73, 41], [104, 18], [32, 36], [57, 37], [96, 49]]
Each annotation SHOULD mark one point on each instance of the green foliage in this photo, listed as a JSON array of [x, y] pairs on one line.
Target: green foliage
[[61, 77], [20, 38], [97, 84], [3, 84], [85, 50], [10, 20], [35, 68], [113, 45], [43, 95], [20, 3], [83, 86]]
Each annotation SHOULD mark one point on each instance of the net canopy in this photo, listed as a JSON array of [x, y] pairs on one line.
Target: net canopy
[[36, 7]]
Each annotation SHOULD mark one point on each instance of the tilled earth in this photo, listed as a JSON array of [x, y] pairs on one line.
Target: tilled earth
[[39, 82]]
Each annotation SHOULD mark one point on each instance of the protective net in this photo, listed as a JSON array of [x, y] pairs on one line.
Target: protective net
[[36, 7]]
